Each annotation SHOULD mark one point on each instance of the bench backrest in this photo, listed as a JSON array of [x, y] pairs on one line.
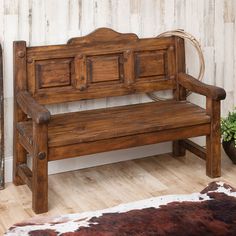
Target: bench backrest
[[102, 64]]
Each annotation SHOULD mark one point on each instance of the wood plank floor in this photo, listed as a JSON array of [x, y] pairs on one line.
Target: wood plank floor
[[109, 185]]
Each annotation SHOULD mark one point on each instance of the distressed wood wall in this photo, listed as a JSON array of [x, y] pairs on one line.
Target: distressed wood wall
[[54, 21]]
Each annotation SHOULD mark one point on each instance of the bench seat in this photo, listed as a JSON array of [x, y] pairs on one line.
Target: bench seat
[[106, 123]]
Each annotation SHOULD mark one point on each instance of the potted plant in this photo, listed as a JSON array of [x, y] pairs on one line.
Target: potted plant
[[228, 134]]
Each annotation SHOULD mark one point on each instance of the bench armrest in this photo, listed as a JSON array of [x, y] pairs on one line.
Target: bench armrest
[[196, 86], [32, 108]]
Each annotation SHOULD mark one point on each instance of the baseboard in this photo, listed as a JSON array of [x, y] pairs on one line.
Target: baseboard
[[97, 159]]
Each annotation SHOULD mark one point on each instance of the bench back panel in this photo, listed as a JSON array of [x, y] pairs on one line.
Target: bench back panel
[[102, 64]]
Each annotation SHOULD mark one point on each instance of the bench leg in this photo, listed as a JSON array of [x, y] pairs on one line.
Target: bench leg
[[19, 157], [213, 145], [19, 153], [178, 148], [40, 169]]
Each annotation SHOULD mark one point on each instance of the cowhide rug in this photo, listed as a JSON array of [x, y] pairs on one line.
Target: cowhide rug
[[210, 212]]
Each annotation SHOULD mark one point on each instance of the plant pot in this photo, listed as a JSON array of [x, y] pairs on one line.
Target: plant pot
[[230, 149]]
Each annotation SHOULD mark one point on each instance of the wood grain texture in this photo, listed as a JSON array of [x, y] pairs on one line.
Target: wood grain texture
[[61, 152], [211, 22], [192, 84], [2, 157], [25, 174], [40, 168], [100, 68], [194, 148], [180, 92], [109, 185], [97, 67], [87, 126], [37, 112], [213, 144], [19, 152]]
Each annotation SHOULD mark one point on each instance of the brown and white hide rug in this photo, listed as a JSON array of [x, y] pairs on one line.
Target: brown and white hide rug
[[210, 212]]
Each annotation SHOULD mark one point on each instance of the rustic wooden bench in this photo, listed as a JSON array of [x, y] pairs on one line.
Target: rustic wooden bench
[[104, 64]]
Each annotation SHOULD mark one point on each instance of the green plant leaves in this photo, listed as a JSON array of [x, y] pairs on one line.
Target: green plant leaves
[[228, 127]]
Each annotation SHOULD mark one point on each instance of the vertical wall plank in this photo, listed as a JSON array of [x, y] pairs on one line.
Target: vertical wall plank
[[1, 20], [86, 14], [219, 41], [169, 15], [56, 21], [148, 15], [24, 20], [135, 15], [234, 75], [180, 13], [209, 18], [229, 56], [38, 30], [74, 18]]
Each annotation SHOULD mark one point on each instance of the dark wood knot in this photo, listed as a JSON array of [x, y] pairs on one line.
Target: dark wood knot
[[128, 52], [29, 60], [82, 88], [80, 56], [21, 54], [41, 155], [171, 48]]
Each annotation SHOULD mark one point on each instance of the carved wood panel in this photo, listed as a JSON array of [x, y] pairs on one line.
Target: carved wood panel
[[102, 64], [53, 73], [150, 63], [105, 68]]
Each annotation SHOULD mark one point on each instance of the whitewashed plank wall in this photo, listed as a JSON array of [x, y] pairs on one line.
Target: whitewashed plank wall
[[54, 21]]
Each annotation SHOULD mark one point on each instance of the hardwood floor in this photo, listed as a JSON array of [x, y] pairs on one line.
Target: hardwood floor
[[109, 185]]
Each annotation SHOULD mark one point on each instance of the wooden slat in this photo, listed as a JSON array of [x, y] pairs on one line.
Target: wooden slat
[[26, 143], [57, 153], [69, 95], [194, 148], [25, 174], [87, 126], [61, 51]]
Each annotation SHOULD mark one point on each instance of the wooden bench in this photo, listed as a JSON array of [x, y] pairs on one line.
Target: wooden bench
[[104, 64]]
